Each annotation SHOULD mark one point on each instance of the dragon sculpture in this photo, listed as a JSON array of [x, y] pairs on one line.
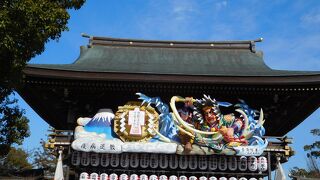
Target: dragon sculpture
[[235, 133]]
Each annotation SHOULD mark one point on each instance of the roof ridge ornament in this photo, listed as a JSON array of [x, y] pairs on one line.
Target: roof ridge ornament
[[86, 35], [108, 41], [253, 44], [90, 39]]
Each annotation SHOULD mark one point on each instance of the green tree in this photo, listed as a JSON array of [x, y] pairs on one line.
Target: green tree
[[13, 125], [46, 159], [314, 148], [313, 153], [25, 27], [16, 160]]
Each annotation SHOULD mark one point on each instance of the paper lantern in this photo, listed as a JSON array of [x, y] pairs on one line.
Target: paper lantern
[[193, 178], [203, 178], [193, 162], [85, 159], [202, 162], [173, 177], [163, 161], [163, 177], [223, 163], [262, 164], [144, 161], [94, 176], [134, 177], [134, 160], [94, 159], [183, 178], [153, 177], [173, 161], [75, 158], [84, 176], [213, 178], [124, 160], [105, 160], [113, 176], [104, 176], [183, 162], [154, 161], [114, 160], [232, 163], [252, 163], [213, 163], [123, 177], [243, 165], [144, 177]]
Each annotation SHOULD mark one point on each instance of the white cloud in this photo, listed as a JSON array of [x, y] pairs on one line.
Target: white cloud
[[179, 7], [182, 10], [296, 53], [312, 18], [230, 25], [220, 4], [174, 20]]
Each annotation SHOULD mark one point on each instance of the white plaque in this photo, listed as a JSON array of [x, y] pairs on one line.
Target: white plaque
[[136, 120]]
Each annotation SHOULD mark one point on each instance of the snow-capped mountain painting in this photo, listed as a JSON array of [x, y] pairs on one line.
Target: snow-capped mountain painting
[[101, 123]]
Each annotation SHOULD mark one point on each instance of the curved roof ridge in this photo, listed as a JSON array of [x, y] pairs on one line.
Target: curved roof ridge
[[115, 55], [234, 44]]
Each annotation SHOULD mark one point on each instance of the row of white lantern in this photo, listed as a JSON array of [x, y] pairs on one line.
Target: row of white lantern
[[164, 161], [113, 176]]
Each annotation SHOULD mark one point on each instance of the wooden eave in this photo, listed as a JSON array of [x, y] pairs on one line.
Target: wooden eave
[[303, 90], [309, 79]]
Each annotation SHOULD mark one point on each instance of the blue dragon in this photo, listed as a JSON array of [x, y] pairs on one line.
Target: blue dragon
[[253, 125], [166, 124]]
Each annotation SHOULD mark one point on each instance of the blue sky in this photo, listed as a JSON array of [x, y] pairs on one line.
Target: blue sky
[[291, 32]]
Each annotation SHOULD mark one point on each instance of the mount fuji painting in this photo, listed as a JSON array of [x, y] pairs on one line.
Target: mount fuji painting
[[101, 123]]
